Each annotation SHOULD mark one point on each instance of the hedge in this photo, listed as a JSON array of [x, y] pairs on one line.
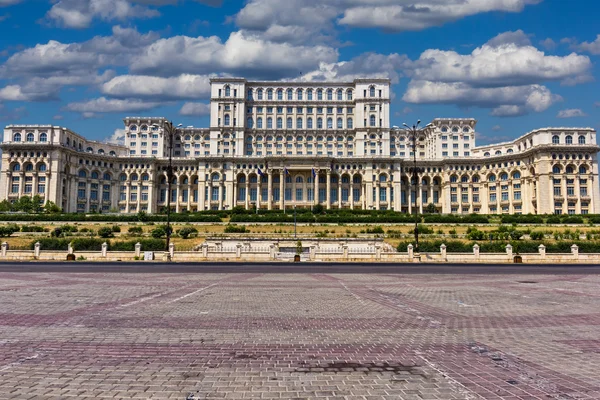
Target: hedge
[[94, 244], [147, 245]]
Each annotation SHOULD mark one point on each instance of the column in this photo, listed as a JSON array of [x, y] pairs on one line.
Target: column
[[258, 190], [210, 188], [281, 189], [351, 197], [328, 189], [563, 191], [177, 196], [377, 196], [247, 199], [22, 184], [364, 196], [420, 196], [221, 195], [34, 183], [269, 190], [430, 196], [127, 194], [139, 197], [316, 184], [151, 191], [339, 192], [9, 185], [409, 199], [577, 194]]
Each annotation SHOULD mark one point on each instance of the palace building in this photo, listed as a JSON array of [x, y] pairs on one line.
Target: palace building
[[283, 144]]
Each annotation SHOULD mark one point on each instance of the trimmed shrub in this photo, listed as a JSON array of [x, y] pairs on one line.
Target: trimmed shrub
[[376, 230], [51, 243], [7, 230], [135, 230], [105, 232], [116, 229], [87, 244], [32, 228], [158, 232], [235, 229], [536, 235], [187, 231], [147, 245]]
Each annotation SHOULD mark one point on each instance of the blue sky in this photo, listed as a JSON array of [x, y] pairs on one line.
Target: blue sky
[[515, 65]]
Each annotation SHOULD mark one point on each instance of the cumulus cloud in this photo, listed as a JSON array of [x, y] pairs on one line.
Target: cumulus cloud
[[571, 113], [104, 105], [197, 109], [589, 47], [241, 54], [548, 44], [79, 14], [314, 19], [118, 137], [184, 86], [505, 74]]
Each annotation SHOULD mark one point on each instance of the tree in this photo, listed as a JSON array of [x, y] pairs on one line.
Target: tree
[[24, 204], [105, 232], [187, 231], [299, 248], [51, 208], [430, 209], [158, 233], [36, 205], [5, 206]]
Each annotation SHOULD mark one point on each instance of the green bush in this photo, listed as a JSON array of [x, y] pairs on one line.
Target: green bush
[[51, 243], [116, 229], [147, 245], [7, 230], [105, 232], [536, 235], [187, 231], [158, 232], [32, 228], [475, 234], [235, 229], [423, 230], [87, 244], [376, 230], [135, 230]]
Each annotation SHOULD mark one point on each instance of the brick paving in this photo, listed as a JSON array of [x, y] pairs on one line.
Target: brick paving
[[299, 336]]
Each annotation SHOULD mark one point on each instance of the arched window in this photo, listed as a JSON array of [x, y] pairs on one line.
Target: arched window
[[516, 175], [569, 139], [144, 128], [556, 169], [498, 152], [476, 179], [17, 137], [299, 94], [382, 178], [320, 94], [16, 167], [95, 175], [259, 94], [42, 167], [453, 179], [288, 123], [112, 153], [250, 122], [122, 177], [581, 140], [582, 170], [492, 178], [259, 122], [504, 176], [349, 95], [329, 123], [44, 137], [270, 94], [100, 151], [279, 123], [330, 94], [269, 123], [82, 174], [299, 123], [309, 123], [227, 119], [509, 151], [569, 169], [299, 179], [106, 177], [89, 150], [28, 167], [340, 123], [319, 123], [279, 94], [215, 177], [227, 91], [372, 91], [486, 154], [309, 94], [349, 123], [133, 177], [372, 120], [290, 94], [464, 179], [30, 137], [340, 94], [555, 139]]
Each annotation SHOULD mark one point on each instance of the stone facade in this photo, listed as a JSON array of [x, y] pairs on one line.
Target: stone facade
[[276, 145]]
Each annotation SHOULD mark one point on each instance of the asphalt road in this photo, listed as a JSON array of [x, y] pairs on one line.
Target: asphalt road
[[300, 268]]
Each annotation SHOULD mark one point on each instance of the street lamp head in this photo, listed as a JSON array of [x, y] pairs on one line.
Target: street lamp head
[[404, 123], [179, 125], [418, 122]]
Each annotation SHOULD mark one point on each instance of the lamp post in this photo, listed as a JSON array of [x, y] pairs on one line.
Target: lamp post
[[414, 131], [294, 221], [170, 131]]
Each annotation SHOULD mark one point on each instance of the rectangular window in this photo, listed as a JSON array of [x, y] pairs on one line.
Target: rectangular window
[[299, 195], [504, 196], [557, 191], [453, 198], [288, 194], [253, 194], [570, 191], [382, 194], [517, 195], [465, 198], [492, 197]]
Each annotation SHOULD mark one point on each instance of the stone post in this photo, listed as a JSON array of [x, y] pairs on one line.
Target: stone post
[[138, 249], [345, 250], [443, 250], [172, 249], [410, 252], [313, 252], [476, 251], [36, 251], [542, 250], [575, 251], [509, 250], [70, 248], [378, 251], [238, 250], [271, 251], [104, 249], [204, 250], [4, 248]]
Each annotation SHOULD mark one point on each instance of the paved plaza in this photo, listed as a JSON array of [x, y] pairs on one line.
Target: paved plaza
[[299, 336]]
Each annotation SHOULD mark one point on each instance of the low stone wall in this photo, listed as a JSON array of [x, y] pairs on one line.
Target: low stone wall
[[369, 252]]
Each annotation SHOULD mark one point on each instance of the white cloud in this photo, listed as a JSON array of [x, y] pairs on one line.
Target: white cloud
[[58, 117], [79, 14], [571, 113], [197, 109], [597, 104], [548, 44], [6, 3], [118, 137], [590, 47], [496, 128], [104, 105], [184, 86], [241, 53]]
